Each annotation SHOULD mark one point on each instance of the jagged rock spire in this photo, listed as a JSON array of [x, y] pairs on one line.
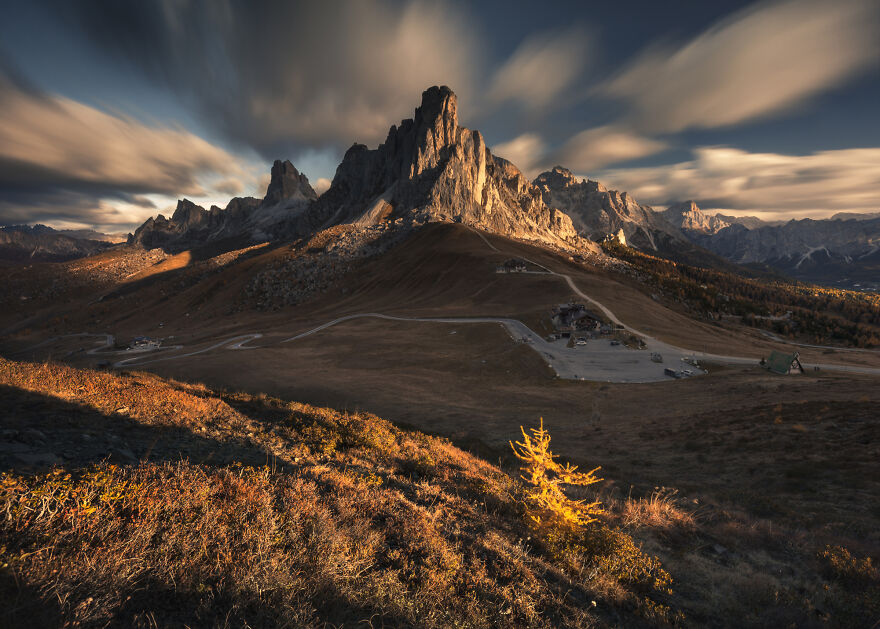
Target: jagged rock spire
[[288, 183]]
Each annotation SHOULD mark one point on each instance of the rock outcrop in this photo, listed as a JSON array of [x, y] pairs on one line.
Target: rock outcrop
[[288, 184], [245, 219], [430, 169], [596, 211]]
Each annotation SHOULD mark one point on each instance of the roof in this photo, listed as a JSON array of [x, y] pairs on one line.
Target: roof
[[780, 362]]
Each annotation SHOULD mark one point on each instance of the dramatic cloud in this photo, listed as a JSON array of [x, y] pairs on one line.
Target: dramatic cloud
[[277, 75], [56, 151], [758, 62], [73, 209], [543, 69], [232, 187], [602, 146], [766, 184], [586, 151], [526, 152]]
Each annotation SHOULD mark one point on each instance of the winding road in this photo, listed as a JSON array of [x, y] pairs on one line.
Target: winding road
[[598, 360]]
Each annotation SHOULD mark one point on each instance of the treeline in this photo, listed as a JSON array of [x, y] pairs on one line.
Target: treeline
[[788, 308]]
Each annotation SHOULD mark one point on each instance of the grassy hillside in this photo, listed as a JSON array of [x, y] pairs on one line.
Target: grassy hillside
[[252, 511], [816, 314], [170, 504]]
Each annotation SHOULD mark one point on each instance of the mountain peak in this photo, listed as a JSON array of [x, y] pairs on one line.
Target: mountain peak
[[429, 169], [438, 102], [187, 212], [687, 215], [288, 183], [557, 178]]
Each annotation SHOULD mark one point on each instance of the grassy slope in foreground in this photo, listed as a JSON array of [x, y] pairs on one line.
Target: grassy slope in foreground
[[352, 520]]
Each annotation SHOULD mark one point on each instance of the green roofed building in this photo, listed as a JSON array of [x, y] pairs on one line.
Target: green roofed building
[[782, 363]]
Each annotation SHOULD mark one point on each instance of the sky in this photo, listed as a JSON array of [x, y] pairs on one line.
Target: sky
[[111, 111]]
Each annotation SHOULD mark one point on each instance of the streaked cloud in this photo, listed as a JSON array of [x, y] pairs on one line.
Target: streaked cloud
[[604, 145], [56, 151], [281, 76], [47, 138], [761, 61], [526, 152], [769, 185], [230, 186], [543, 69], [321, 185]]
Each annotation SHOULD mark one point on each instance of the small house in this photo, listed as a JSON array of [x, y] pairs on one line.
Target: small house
[[783, 363]]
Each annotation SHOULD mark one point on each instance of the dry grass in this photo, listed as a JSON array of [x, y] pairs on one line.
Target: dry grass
[[660, 510], [354, 521]]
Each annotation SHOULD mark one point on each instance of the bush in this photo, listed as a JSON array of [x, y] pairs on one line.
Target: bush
[[546, 477]]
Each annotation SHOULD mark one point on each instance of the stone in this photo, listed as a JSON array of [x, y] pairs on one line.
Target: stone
[[32, 436], [126, 454]]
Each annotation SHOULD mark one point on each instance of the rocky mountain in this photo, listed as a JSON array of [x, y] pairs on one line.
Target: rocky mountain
[[749, 222], [244, 218], [430, 169], [856, 216], [688, 217], [596, 211], [39, 243], [841, 252]]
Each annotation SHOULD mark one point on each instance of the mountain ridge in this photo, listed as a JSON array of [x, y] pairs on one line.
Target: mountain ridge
[[254, 219], [40, 243], [429, 169]]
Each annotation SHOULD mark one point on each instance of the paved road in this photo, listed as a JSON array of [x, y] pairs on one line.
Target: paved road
[[598, 360]]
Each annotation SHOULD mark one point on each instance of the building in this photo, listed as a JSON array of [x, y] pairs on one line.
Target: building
[[575, 318], [144, 342], [513, 265], [782, 363]]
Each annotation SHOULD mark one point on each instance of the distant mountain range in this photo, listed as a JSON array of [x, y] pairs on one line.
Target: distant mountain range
[[39, 243], [842, 251]]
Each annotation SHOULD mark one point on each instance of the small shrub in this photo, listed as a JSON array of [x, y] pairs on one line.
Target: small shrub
[[842, 566], [602, 551], [853, 594], [547, 477], [320, 438], [659, 510]]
